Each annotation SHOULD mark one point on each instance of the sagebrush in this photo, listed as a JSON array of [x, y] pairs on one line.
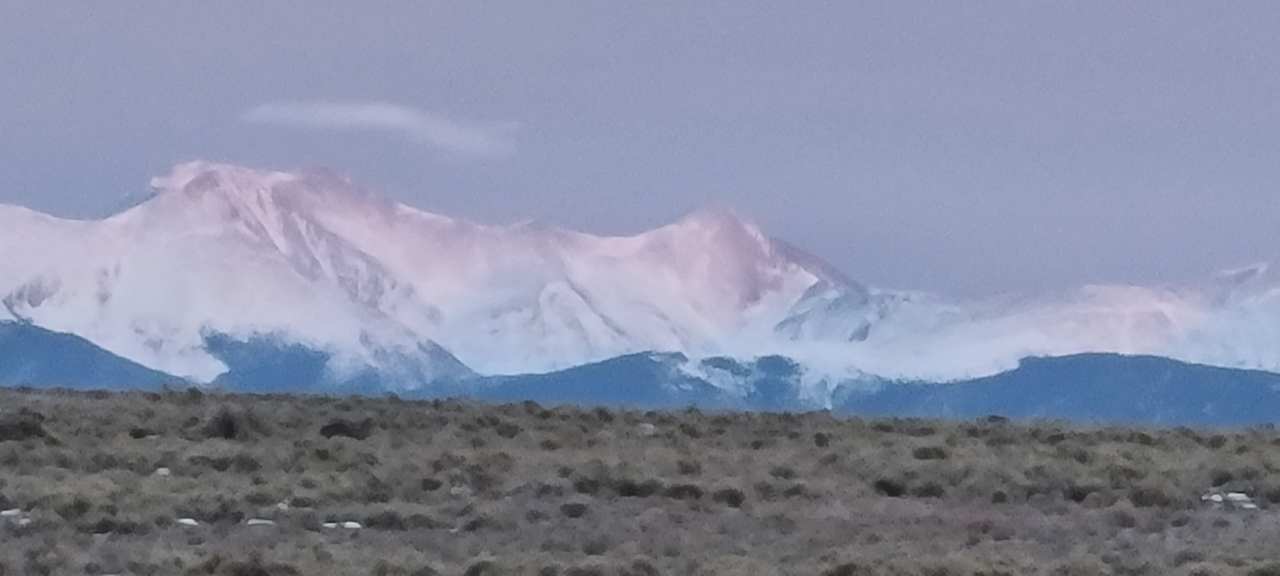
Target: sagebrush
[[450, 487]]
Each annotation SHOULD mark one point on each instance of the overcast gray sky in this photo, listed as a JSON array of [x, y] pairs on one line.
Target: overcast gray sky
[[964, 147]]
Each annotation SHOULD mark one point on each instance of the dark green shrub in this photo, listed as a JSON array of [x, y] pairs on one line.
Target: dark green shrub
[[589, 570], [639, 567], [386, 520], [1150, 497], [683, 492], [431, 484], [1078, 492], [929, 453], [731, 497], [632, 489], [348, 429], [507, 430], [573, 509], [782, 472], [586, 485], [1188, 557], [849, 569], [483, 568], [596, 546], [1271, 569], [928, 490], [689, 467], [890, 487]]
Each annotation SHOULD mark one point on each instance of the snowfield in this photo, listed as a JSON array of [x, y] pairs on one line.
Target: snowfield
[[311, 259]]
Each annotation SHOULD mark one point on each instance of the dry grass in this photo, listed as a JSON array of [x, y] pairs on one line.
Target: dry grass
[[458, 489]]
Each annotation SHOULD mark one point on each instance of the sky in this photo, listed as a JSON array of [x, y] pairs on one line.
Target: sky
[[968, 148]]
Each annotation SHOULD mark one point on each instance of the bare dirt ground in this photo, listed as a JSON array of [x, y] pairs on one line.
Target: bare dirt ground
[[182, 482]]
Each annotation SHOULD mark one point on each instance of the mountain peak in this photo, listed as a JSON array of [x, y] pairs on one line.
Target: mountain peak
[[718, 225], [201, 176], [714, 217], [236, 193], [311, 259]]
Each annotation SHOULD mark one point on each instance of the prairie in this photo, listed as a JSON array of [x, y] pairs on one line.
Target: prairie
[[168, 483]]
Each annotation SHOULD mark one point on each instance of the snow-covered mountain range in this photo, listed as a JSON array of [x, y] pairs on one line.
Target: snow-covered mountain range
[[309, 260]]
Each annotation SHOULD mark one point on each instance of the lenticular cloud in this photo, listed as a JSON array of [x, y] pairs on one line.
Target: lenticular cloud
[[427, 128]]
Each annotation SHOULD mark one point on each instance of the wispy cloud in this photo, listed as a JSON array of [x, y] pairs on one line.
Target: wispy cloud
[[427, 128]]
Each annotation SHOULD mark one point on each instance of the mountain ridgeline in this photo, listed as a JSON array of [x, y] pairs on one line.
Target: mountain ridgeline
[[33, 356], [1102, 388], [265, 281], [1108, 388]]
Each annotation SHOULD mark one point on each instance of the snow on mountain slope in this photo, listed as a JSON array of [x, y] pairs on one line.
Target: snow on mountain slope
[[929, 339], [524, 297], [312, 260], [925, 337], [216, 256]]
